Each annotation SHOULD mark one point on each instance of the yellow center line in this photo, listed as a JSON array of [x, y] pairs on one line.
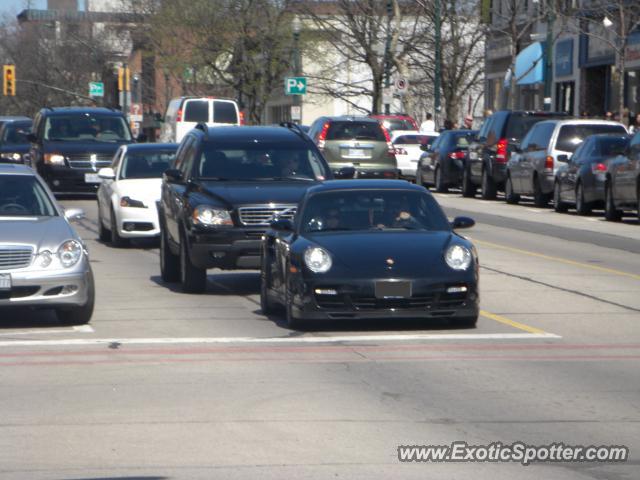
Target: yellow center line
[[511, 323], [558, 259]]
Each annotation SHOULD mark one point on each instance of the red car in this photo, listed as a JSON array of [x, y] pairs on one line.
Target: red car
[[396, 122]]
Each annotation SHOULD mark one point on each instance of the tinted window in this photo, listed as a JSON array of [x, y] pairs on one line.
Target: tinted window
[[15, 133], [259, 162], [494, 132], [611, 146], [519, 125], [355, 131], [570, 136], [372, 210], [83, 127], [196, 111], [413, 140], [23, 196], [146, 164], [224, 112], [541, 136]]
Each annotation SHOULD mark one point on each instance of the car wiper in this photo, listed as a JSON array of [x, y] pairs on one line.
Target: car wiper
[[283, 179]]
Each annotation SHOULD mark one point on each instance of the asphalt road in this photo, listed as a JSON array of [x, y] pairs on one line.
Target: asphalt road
[[168, 385]]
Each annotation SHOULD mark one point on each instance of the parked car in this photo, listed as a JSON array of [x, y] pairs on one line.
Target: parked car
[[369, 249], [531, 169], [43, 261], [580, 178], [130, 191], [70, 144], [489, 153], [622, 186], [442, 164], [409, 146], [359, 142], [184, 113], [397, 122], [14, 144], [226, 186]]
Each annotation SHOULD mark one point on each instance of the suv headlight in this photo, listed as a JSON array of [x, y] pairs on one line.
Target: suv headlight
[[317, 259], [53, 159], [210, 216], [458, 257], [70, 253]]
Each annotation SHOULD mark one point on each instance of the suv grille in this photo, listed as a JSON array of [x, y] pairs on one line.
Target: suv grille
[[263, 214], [15, 257], [83, 160]]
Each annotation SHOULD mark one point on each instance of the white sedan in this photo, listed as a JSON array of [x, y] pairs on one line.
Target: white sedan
[[130, 190], [408, 147]]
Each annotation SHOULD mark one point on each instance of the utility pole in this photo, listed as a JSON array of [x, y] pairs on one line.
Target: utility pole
[[548, 74], [387, 55], [297, 66], [436, 83]]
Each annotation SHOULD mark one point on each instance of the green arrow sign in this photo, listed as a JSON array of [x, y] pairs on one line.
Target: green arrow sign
[[96, 89], [295, 85]]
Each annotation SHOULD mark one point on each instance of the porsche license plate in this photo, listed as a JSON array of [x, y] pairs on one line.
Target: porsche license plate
[[393, 289], [91, 178], [5, 281]]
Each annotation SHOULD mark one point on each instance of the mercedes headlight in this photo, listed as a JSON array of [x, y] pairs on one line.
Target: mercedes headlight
[[70, 253], [53, 159], [44, 259], [210, 216], [317, 259], [458, 257]]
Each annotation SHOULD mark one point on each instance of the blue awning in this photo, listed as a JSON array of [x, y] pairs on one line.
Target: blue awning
[[530, 65]]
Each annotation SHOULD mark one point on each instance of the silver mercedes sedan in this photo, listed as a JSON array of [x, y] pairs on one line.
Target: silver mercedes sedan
[[43, 261]]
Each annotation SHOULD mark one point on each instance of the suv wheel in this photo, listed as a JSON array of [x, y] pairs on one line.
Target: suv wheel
[[193, 279], [292, 322], [540, 200], [116, 240], [488, 188], [611, 213], [438, 181], [468, 188], [558, 205], [169, 263], [582, 207], [509, 195]]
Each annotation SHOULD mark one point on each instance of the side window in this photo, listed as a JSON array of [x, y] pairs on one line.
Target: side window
[[582, 152], [546, 132], [180, 153], [495, 130], [526, 141]]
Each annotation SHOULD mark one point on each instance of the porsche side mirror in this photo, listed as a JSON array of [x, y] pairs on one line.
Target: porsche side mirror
[[346, 173], [282, 225], [462, 222], [173, 175]]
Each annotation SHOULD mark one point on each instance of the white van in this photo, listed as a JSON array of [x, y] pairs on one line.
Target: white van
[[184, 113]]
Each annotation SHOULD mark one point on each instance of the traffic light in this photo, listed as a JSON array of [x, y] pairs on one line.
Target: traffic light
[[124, 79], [9, 85]]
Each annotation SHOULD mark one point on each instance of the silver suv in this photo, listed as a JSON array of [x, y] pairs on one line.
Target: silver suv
[[532, 167]]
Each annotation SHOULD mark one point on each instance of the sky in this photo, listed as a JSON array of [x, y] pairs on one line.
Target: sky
[[13, 7]]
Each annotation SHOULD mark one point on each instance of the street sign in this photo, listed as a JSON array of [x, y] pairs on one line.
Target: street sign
[[136, 112], [295, 85], [402, 85], [296, 113], [387, 96], [96, 89]]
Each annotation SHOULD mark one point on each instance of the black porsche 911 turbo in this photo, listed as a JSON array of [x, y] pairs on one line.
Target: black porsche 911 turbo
[[369, 249]]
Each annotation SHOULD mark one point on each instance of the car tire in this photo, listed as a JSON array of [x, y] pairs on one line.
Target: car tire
[[465, 322], [80, 315], [558, 205], [582, 207], [193, 279], [293, 323], [611, 213], [438, 181], [104, 235], [468, 188], [540, 200], [169, 262], [488, 188], [266, 305], [509, 196], [116, 240]]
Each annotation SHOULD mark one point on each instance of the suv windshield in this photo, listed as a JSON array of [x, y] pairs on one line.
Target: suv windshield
[[24, 196], [260, 162], [571, 136], [519, 125], [356, 131], [83, 127], [372, 210], [16, 133], [146, 164]]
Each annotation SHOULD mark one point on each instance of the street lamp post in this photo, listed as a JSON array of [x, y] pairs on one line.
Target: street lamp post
[[548, 74], [296, 26], [387, 59], [436, 83]]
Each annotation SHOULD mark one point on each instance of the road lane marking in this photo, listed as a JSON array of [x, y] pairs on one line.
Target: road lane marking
[[79, 329], [558, 259], [511, 323]]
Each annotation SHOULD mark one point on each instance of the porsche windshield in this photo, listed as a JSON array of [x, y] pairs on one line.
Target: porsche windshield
[[372, 210], [24, 196]]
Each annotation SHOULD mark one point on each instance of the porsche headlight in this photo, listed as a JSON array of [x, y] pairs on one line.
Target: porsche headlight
[[458, 257], [210, 216], [69, 253], [53, 159], [317, 259]]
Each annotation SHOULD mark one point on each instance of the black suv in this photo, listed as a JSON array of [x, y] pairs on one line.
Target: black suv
[[70, 144], [227, 185], [500, 134]]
